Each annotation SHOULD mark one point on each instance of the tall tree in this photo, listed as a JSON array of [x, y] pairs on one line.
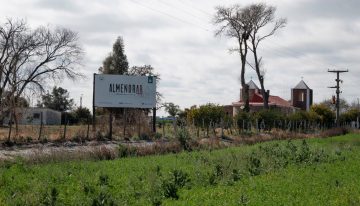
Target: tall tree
[[344, 105], [58, 100], [116, 62], [260, 16], [235, 23], [172, 109], [29, 58]]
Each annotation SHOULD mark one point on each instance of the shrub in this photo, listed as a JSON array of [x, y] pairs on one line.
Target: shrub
[[266, 118], [103, 199], [254, 165], [157, 135], [125, 151], [325, 114], [350, 115], [206, 115], [50, 199], [235, 175], [241, 119], [184, 138], [144, 136], [104, 153], [177, 180], [334, 132], [304, 153], [103, 180]]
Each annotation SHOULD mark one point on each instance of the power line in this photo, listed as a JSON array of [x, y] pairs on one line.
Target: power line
[[179, 8], [196, 8], [286, 50], [289, 52], [169, 15]]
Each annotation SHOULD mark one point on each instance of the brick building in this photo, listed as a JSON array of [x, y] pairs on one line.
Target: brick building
[[301, 98]]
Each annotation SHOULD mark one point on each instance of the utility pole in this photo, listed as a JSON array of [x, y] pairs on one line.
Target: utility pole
[[81, 96], [337, 87], [357, 121]]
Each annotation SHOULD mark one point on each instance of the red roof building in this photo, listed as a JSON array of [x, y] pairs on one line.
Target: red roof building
[[256, 101]]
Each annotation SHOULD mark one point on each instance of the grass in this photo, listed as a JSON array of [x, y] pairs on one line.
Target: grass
[[319, 171]]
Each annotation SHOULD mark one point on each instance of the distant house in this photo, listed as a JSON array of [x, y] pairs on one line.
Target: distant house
[[301, 98], [34, 115], [256, 101]]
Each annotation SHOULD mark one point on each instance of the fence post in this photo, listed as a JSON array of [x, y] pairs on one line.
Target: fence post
[[110, 124], [163, 127], [65, 125], [88, 128], [93, 109], [10, 127], [222, 127], [174, 125], [41, 124], [139, 126], [125, 122]]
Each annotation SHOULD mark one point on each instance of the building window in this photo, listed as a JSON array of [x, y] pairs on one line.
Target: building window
[[301, 97], [36, 116]]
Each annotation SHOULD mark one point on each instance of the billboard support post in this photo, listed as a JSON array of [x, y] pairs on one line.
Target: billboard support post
[[154, 120], [110, 123], [125, 122], [93, 108]]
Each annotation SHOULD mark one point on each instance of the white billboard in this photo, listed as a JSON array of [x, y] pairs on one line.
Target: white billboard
[[124, 91]]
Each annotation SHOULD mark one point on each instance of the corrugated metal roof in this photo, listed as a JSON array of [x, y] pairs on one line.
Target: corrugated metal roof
[[302, 85]]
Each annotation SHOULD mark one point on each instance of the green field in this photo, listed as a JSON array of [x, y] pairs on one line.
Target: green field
[[298, 172]]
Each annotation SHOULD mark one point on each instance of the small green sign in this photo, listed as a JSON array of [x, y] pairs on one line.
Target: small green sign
[[150, 80]]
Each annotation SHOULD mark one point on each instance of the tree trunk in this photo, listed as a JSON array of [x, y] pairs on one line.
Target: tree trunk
[[260, 77], [245, 93], [264, 93]]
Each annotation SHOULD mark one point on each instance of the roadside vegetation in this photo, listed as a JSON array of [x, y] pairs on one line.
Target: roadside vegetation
[[320, 171]]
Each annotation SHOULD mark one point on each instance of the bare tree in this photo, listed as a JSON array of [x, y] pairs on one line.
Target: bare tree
[[261, 16], [235, 24], [29, 58]]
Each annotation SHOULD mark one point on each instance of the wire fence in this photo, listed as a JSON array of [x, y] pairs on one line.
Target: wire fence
[[118, 129]]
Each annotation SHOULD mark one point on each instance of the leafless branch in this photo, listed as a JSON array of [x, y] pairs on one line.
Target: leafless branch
[[33, 57]]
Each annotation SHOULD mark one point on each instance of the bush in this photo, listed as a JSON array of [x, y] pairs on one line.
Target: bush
[[184, 138], [254, 165], [334, 132], [206, 115], [267, 118], [126, 151], [350, 115], [326, 116], [177, 180], [241, 119], [304, 115], [50, 199], [158, 135]]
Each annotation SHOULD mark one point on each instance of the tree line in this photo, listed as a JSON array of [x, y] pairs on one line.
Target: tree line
[[30, 58], [210, 116]]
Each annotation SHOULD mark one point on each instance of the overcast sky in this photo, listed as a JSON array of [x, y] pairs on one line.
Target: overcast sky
[[177, 38]]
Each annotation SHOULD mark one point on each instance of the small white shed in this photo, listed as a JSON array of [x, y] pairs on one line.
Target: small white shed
[[33, 115]]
